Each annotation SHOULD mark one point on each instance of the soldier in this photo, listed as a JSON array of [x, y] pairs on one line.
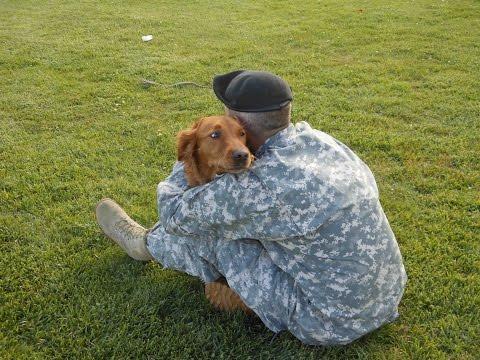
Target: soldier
[[301, 236]]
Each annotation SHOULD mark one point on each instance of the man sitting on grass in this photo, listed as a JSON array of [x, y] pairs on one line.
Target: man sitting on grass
[[300, 236]]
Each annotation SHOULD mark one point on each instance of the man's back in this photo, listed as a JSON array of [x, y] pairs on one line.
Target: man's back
[[344, 257], [313, 175]]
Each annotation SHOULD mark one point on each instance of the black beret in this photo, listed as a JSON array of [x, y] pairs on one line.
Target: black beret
[[252, 91]]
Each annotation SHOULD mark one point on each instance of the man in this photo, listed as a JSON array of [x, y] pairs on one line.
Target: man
[[300, 236]]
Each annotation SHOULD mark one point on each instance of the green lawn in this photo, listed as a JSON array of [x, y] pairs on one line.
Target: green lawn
[[397, 81]]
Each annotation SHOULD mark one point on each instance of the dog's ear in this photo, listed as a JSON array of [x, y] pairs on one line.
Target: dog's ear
[[186, 147], [187, 142]]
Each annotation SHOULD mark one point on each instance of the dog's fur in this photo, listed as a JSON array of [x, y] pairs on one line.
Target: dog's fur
[[212, 146], [205, 156]]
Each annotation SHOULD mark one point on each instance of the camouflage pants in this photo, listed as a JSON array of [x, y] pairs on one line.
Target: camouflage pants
[[266, 289]]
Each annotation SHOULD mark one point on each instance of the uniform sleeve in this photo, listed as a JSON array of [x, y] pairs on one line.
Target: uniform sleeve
[[232, 206]]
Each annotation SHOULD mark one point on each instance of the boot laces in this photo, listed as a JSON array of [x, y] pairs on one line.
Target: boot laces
[[130, 229]]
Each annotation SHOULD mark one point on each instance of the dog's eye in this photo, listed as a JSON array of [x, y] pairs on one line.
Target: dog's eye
[[242, 133], [215, 135]]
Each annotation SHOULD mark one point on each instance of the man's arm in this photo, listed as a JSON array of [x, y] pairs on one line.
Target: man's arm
[[229, 207]]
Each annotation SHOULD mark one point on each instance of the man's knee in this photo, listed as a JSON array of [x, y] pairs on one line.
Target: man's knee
[[190, 255]]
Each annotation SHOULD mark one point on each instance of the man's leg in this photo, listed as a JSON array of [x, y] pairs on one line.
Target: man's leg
[[248, 269], [171, 251], [267, 290], [245, 264], [187, 254], [131, 236]]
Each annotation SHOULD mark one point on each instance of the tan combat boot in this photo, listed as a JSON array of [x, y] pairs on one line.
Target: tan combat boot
[[119, 227]]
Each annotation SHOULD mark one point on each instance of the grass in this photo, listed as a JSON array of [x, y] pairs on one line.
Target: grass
[[397, 81]]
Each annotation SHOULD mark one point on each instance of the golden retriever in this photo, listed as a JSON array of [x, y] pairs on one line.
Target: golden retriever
[[215, 145]]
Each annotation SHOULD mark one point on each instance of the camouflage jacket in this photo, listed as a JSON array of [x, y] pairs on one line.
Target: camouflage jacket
[[314, 206]]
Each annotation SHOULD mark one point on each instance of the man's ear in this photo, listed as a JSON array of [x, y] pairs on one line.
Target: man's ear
[[187, 142]]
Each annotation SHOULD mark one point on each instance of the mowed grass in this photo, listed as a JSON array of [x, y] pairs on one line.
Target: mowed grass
[[397, 81]]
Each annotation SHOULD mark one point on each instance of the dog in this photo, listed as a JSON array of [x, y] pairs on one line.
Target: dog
[[215, 145]]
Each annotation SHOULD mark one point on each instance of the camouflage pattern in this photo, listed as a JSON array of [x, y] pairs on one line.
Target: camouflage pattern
[[301, 237]]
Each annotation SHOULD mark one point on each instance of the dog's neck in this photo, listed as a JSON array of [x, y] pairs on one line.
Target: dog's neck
[[198, 175]]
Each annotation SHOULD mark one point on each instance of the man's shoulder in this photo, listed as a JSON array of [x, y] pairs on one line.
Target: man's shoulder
[[301, 144], [316, 138], [313, 161]]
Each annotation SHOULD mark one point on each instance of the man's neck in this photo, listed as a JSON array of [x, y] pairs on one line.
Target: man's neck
[[255, 141]]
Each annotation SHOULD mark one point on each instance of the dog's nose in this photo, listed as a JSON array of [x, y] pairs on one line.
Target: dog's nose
[[240, 155]]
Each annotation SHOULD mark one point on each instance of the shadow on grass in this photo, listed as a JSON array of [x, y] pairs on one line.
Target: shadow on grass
[[110, 305]]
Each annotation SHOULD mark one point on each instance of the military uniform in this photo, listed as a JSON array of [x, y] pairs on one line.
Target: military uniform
[[300, 236]]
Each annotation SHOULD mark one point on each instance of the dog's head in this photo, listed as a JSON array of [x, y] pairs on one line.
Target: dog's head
[[214, 145]]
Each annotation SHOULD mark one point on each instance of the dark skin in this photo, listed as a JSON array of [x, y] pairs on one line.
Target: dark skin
[[254, 140]]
